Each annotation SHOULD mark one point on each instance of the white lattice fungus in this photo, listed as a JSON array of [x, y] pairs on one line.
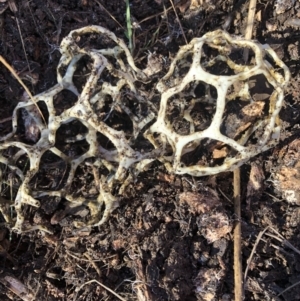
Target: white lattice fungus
[[115, 84], [190, 58]]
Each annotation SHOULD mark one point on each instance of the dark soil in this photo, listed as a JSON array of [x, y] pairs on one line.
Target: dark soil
[[155, 245]]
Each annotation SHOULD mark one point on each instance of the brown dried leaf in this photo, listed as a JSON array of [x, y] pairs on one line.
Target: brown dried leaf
[[202, 202], [207, 281], [214, 226], [220, 153], [254, 109], [287, 178], [256, 181]]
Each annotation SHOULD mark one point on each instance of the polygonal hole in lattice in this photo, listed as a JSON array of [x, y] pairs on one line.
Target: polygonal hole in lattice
[[84, 183], [70, 139], [9, 182], [188, 113], [260, 90], [215, 62], [49, 204], [181, 69], [154, 103], [109, 76], [95, 41], [62, 69], [218, 67], [203, 90], [110, 111], [23, 163], [206, 153], [120, 121], [235, 123], [102, 105], [273, 64], [104, 142], [139, 108], [292, 110], [242, 114], [9, 153], [52, 174], [236, 55], [163, 143], [64, 100], [142, 144], [101, 41], [82, 72], [27, 129]]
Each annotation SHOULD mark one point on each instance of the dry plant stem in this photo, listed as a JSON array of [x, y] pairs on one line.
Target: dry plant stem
[[186, 42], [14, 9], [101, 5], [288, 288], [280, 238], [253, 251], [238, 272], [249, 28], [14, 73], [155, 15], [166, 16], [17, 287], [23, 45], [6, 119], [104, 286], [93, 263]]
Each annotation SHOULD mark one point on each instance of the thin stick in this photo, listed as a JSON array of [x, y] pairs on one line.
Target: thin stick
[[238, 270], [23, 45], [155, 15], [14, 9], [259, 236], [288, 288], [6, 119], [281, 238], [186, 42], [101, 5], [104, 286], [14, 73], [237, 253], [249, 28]]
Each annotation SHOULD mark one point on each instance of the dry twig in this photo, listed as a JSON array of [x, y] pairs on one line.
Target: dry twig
[[186, 42], [238, 270], [237, 255], [278, 237], [249, 28], [14, 73], [104, 286], [101, 5]]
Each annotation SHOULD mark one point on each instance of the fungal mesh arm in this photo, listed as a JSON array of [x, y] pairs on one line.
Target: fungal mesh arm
[[113, 75]]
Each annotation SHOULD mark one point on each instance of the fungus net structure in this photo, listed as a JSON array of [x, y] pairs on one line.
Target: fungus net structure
[[209, 113]]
